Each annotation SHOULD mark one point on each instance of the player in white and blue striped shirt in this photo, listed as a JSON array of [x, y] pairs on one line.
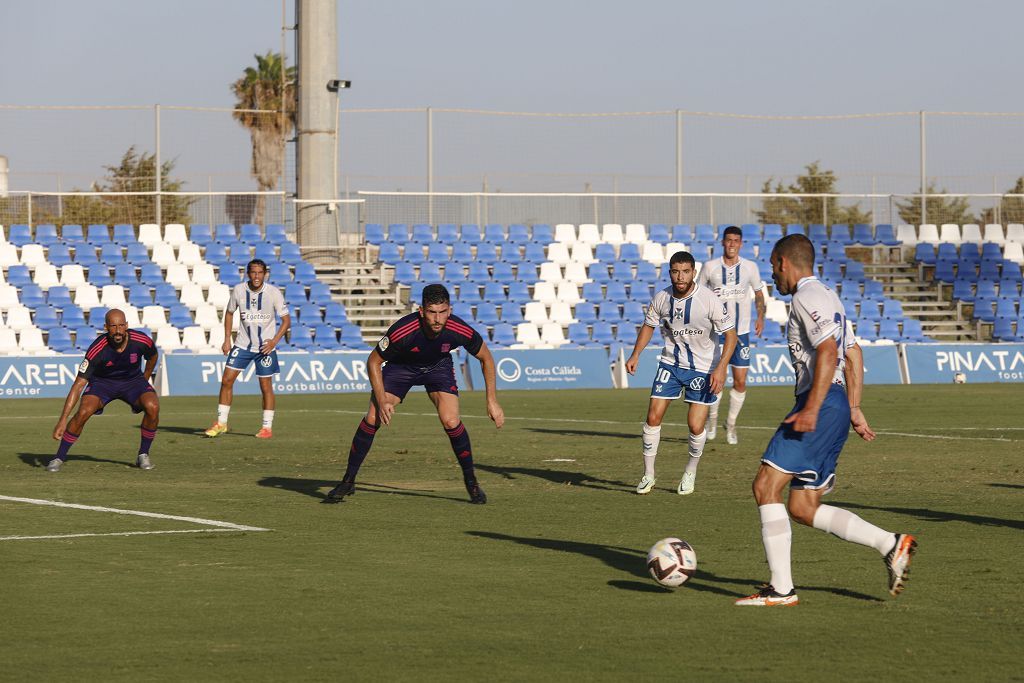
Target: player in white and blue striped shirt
[[690, 318]]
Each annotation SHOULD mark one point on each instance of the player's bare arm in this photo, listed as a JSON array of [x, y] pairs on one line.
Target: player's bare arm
[[487, 365], [150, 368], [721, 370], [385, 409], [228, 319], [271, 344], [643, 337], [854, 372], [762, 308], [75, 393], [806, 420]]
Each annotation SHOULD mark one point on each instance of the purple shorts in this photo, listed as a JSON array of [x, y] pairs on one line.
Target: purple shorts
[[128, 390], [398, 379]]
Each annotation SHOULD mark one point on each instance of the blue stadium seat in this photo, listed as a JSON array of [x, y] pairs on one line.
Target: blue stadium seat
[[46, 234], [97, 316], [398, 233], [59, 296], [542, 234], [751, 232], [59, 339], [511, 252], [180, 316], [487, 252], [389, 254], [818, 233], [18, 275], [305, 273], [925, 253], [326, 338], [1011, 272], [335, 314], [605, 253], [1002, 330], [301, 337], [308, 314], [98, 235], [111, 254], [885, 234], [413, 253], [704, 232], [855, 271], [841, 234], [59, 254], [892, 308], [46, 317], [32, 295], [72, 317], [276, 234], [165, 295], [585, 312], [969, 251], [519, 292], [966, 270], [682, 233], [124, 275], [461, 252], [494, 233], [352, 336], [592, 291], [140, 295], [947, 252], [290, 252], [239, 251], [447, 233], [502, 272], [944, 271], [608, 311], [137, 254], [579, 335], [772, 232], [862, 234], [622, 272], [659, 232], [461, 309], [796, 229], [225, 233], [533, 253], [603, 333], [422, 233], [990, 251], [1006, 307], [963, 290], [494, 292], [512, 313], [430, 272], [518, 233], [375, 234], [85, 255], [503, 334], [913, 332], [295, 294], [486, 313], [264, 251], [629, 252], [989, 270], [20, 235], [984, 308], [124, 234], [72, 234], [748, 250], [470, 233], [416, 292], [150, 274], [201, 234], [437, 251], [633, 312], [216, 253], [250, 233], [320, 293], [598, 272], [889, 328], [646, 272]]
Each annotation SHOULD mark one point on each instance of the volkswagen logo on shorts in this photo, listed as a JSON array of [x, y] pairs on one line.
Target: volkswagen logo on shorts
[[745, 353], [697, 383], [509, 370], [266, 361]]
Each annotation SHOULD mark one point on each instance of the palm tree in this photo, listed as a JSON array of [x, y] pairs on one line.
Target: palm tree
[[264, 88]]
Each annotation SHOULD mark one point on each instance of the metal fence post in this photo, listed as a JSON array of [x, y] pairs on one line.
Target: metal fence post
[[679, 165], [924, 175], [159, 179], [430, 166]]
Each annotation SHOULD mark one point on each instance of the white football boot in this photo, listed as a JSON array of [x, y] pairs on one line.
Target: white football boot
[[730, 435], [687, 484], [645, 485]]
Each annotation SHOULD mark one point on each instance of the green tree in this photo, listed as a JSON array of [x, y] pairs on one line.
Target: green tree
[[135, 172], [941, 209], [1011, 209], [804, 210], [264, 88]]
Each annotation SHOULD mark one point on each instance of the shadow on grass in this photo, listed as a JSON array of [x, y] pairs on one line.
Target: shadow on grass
[[312, 488], [927, 515], [558, 477], [1007, 486], [42, 459], [589, 432]]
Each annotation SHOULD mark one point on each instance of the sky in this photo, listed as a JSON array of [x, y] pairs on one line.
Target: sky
[[792, 57]]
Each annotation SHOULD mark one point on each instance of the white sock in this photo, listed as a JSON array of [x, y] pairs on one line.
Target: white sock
[[735, 405], [713, 414], [268, 418], [651, 438], [777, 536], [697, 442], [222, 413], [850, 527]]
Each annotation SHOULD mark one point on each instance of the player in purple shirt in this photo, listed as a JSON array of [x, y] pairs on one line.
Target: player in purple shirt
[[417, 350], [111, 371]]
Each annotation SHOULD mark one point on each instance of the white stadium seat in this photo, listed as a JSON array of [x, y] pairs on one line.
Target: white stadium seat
[[636, 233], [207, 317], [193, 338], [217, 338], [1014, 251], [672, 247], [174, 234], [163, 255], [907, 234], [189, 254], [31, 342], [131, 315], [112, 296], [560, 314], [32, 255], [582, 253], [558, 253], [203, 275], [154, 317], [177, 275], [970, 232], [569, 292], [544, 292], [653, 252], [167, 338], [8, 255], [8, 341], [928, 233], [1014, 232], [576, 273], [612, 234], [527, 334], [550, 272], [149, 234], [218, 295], [8, 297], [46, 276], [950, 232], [72, 276], [565, 233], [192, 295], [535, 313], [553, 334], [994, 233], [588, 234], [19, 318], [87, 296]]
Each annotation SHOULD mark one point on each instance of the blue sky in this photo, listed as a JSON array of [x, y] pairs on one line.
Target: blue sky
[[784, 58]]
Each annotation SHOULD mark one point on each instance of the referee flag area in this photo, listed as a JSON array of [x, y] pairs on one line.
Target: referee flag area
[[221, 563]]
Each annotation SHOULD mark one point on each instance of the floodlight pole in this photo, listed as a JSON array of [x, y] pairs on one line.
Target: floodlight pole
[[159, 178], [924, 174]]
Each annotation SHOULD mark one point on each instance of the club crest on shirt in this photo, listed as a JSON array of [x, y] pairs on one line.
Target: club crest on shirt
[[445, 348], [133, 358], [383, 343], [83, 366]]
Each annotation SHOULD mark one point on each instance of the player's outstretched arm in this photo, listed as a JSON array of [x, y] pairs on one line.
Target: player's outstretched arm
[[854, 373], [74, 393], [806, 420], [374, 371], [643, 338], [494, 410], [718, 377]]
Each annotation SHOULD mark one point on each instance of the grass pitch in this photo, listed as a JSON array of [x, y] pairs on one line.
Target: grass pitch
[[406, 580]]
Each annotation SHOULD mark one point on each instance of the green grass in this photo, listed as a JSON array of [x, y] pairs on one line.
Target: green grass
[[407, 580]]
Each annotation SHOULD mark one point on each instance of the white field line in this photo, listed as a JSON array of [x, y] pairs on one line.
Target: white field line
[[220, 526], [114, 533], [605, 422]]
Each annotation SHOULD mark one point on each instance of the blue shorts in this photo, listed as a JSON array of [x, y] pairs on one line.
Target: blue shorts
[[398, 378], [741, 354], [811, 456], [670, 382], [266, 365], [127, 390]]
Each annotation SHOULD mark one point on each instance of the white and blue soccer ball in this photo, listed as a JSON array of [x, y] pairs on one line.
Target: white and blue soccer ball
[[671, 562], [959, 378]]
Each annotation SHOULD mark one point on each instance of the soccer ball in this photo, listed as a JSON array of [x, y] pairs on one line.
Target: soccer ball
[[671, 562], [959, 378]]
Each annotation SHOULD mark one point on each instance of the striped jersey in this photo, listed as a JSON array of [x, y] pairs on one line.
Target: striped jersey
[[815, 314], [407, 343], [690, 327], [257, 314], [104, 361], [732, 284]]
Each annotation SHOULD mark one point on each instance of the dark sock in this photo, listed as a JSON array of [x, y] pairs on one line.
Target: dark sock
[[459, 437], [66, 442], [361, 444], [147, 440]]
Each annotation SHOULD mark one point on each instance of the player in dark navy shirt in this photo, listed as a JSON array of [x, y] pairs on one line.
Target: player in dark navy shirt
[[111, 371], [417, 351]]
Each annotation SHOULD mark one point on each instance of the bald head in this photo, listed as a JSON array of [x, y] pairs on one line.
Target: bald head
[[117, 327], [797, 249], [115, 316]]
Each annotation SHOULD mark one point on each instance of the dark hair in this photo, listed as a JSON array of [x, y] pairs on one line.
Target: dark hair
[[682, 257], [257, 262], [732, 230], [435, 294], [797, 248]]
